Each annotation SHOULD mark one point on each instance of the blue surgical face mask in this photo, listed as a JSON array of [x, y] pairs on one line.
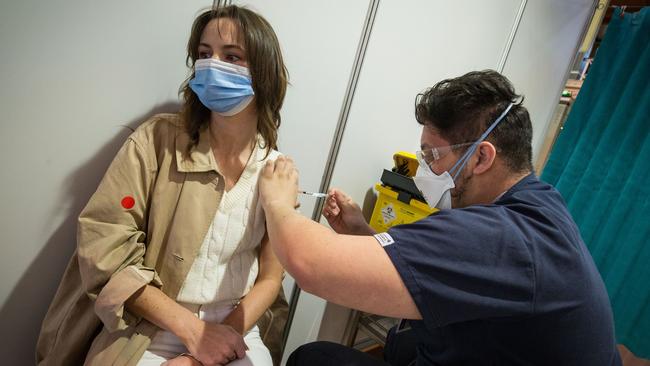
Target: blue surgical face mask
[[222, 87], [436, 188]]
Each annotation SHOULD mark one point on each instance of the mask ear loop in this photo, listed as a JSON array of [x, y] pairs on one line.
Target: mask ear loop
[[460, 164]]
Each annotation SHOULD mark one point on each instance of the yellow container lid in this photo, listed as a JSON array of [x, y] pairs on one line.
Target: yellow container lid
[[406, 163], [415, 203]]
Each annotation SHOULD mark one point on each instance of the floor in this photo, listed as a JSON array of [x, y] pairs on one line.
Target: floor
[[629, 359]]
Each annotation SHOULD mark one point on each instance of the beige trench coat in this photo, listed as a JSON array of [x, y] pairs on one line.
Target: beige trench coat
[[174, 199]]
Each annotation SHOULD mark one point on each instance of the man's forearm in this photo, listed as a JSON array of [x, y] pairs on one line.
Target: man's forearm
[[298, 242]]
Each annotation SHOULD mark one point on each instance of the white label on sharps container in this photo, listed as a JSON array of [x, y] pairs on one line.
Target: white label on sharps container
[[388, 213], [384, 239]]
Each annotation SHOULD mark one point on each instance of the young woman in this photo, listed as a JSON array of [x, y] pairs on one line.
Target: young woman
[[173, 264]]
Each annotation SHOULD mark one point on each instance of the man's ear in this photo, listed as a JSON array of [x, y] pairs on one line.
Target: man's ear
[[486, 153]]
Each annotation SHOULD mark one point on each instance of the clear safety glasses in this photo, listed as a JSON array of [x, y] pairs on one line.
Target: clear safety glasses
[[429, 156]]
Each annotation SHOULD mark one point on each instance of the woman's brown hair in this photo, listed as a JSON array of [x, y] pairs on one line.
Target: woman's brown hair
[[268, 72]]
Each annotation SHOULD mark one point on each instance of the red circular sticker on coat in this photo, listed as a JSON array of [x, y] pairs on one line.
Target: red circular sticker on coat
[[128, 202]]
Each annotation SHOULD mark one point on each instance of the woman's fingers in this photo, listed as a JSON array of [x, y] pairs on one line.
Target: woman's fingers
[[240, 350]]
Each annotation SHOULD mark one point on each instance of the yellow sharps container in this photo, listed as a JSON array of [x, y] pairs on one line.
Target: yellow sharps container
[[398, 201]]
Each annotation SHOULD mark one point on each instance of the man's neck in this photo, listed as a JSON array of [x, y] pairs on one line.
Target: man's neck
[[501, 186], [488, 187]]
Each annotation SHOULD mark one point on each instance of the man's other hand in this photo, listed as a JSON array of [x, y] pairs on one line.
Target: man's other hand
[[344, 215]]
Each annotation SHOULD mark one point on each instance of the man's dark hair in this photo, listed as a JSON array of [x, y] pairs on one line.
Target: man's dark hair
[[462, 108]]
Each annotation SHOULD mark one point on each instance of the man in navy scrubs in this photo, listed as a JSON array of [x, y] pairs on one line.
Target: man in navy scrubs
[[502, 278]]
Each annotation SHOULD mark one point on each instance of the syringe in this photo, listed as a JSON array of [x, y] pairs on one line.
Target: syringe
[[314, 194]]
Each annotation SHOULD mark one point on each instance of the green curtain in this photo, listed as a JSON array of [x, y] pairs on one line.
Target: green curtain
[[601, 165]]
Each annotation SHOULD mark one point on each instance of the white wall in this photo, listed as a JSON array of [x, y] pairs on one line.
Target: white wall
[[404, 58], [541, 55], [74, 72]]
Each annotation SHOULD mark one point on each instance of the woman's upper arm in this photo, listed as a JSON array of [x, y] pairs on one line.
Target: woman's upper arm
[[111, 234], [270, 266]]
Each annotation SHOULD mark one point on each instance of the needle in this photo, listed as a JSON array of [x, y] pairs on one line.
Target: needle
[[314, 194]]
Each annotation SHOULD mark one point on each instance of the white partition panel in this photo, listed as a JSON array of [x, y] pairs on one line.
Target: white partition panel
[[318, 40], [542, 53], [413, 45], [72, 73]]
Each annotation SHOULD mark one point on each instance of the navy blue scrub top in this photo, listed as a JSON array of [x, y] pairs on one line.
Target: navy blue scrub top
[[508, 283]]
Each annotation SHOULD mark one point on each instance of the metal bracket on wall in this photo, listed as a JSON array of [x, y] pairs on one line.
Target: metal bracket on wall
[[336, 142], [511, 36], [219, 3]]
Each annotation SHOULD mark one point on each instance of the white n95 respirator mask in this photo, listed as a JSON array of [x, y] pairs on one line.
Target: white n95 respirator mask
[[435, 188]]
